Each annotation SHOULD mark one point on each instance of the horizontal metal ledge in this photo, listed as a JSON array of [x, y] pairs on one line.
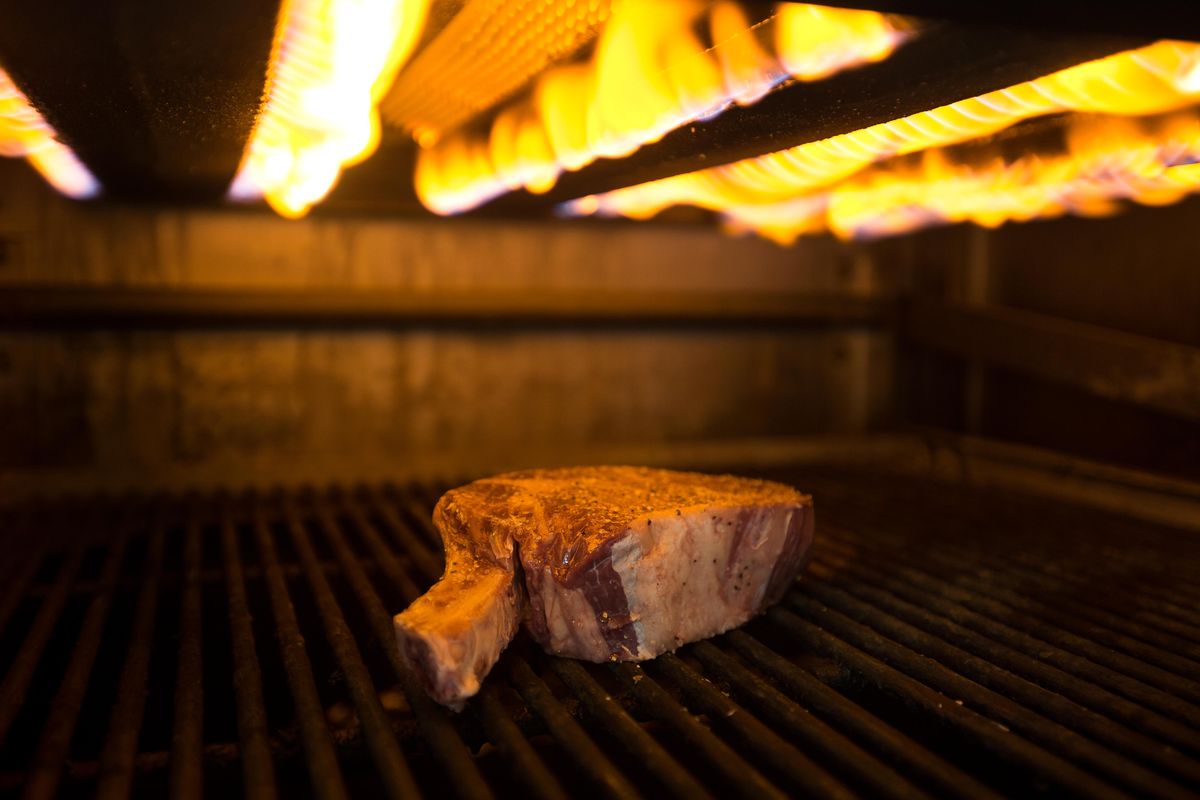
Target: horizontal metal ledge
[[133, 483], [944, 64], [1161, 375], [51, 307], [990, 462]]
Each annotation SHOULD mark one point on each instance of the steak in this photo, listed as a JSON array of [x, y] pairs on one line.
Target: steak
[[602, 564]]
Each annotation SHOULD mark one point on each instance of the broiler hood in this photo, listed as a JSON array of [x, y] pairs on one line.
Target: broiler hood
[[783, 119]]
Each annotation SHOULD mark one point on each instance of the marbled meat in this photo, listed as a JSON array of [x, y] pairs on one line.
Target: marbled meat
[[600, 563]]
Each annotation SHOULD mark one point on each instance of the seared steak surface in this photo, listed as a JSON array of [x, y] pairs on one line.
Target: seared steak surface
[[615, 563]]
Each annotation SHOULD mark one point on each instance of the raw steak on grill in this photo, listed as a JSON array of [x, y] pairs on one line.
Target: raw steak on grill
[[601, 563]]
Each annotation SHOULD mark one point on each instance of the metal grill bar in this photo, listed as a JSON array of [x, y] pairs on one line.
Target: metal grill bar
[[526, 764], [187, 739], [1004, 647], [389, 759], [1165, 616], [120, 749], [805, 688], [1144, 596], [616, 720], [587, 757], [1143, 683], [16, 682], [1092, 662], [1073, 617], [17, 579], [915, 599], [1006, 686], [387, 559], [258, 774], [742, 779], [782, 757], [814, 734], [60, 723], [171, 580], [427, 561], [1166, 652], [1171, 633], [319, 755], [1143, 599], [939, 709], [416, 501]]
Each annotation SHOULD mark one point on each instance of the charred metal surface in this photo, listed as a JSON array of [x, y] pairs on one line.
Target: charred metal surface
[[1167, 19], [946, 63], [157, 99], [945, 641]]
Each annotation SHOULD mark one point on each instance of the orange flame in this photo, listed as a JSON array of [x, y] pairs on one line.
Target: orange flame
[[1108, 158], [787, 194], [23, 132], [331, 64], [649, 75]]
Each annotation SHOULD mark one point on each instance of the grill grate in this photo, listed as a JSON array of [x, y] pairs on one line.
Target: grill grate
[[945, 642]]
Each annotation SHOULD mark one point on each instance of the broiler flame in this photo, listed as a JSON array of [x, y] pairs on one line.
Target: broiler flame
[[1107, 159], [331, 63], [24, 133], [833, 185], [650, 74]]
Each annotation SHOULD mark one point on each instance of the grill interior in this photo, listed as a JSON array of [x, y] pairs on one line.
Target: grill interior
[[945, 641]]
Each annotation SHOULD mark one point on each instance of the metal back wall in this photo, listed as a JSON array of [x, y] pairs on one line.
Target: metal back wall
[[1076, 335], [144, 343], [948, 644]]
